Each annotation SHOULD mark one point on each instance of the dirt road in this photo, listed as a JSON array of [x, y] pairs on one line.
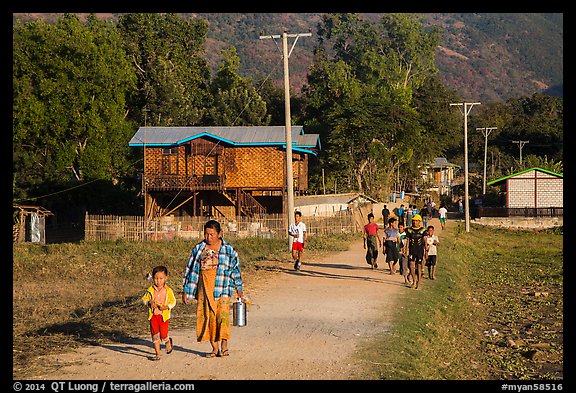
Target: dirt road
[[302, 325]]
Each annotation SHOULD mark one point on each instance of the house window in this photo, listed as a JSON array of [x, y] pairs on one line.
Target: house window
[[170, 151], [170, 161]]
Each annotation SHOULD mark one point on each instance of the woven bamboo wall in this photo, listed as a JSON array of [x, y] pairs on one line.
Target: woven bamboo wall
[[199, 164], [301, 171], [154, 161], [255, 167], [245, 167]]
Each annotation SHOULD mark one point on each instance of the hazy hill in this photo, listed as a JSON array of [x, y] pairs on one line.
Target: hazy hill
[[483, 56], [498, 56]]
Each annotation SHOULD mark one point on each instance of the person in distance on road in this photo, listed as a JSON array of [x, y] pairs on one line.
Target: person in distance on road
[[403, 253], [372, 240], [392, 238], [432, 241], [385, 215], [443, 213], [417, 246], [298, 232]]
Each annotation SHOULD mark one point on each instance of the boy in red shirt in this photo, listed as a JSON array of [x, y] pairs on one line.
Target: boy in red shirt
[[370, 235]]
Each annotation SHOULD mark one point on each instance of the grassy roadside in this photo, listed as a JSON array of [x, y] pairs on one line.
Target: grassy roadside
[[494, 312], [68, 295]]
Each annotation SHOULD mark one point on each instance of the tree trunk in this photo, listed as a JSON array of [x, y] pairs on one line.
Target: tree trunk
[[359, 174]]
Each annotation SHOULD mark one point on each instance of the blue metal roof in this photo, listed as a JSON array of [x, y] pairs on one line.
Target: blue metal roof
[[441, 162], [236, 136]]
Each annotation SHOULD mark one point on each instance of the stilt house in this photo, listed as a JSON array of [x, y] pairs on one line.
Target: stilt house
[[220, 171]]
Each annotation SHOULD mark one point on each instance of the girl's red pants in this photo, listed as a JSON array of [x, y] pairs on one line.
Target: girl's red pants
[[158, 327]]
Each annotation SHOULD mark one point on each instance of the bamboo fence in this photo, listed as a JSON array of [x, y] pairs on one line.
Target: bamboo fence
[[271, 226]]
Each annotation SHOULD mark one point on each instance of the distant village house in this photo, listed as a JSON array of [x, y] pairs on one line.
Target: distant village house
[[440, 173], [533, 188]]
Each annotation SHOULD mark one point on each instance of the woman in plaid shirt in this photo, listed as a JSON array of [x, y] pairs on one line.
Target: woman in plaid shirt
[[212, 274]]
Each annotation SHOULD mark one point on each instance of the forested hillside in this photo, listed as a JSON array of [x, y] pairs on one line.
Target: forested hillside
[[497, 56], [483, 56]]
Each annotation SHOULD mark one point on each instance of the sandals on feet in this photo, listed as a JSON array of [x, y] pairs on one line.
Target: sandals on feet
[[156, 358], [171, 346], [225, 352], [211, 354]]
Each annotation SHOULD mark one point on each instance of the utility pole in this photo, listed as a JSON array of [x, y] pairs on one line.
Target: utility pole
[[144, 189], [485, 131], [465, 108], [288, 126], [521, 145]]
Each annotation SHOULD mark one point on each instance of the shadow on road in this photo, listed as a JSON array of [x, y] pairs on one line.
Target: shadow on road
[[308, 269], [135, 348]]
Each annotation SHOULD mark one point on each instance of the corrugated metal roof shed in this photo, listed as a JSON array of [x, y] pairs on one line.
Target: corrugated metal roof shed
[[309, 140]]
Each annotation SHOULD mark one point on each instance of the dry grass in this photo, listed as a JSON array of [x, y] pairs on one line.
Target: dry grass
[[69, 295]]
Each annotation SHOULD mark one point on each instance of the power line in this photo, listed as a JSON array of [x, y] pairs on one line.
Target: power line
[[68, 189], [55, 193], [465, 108]]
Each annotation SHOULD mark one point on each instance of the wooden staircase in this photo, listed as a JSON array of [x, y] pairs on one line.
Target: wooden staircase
[[246, 203]]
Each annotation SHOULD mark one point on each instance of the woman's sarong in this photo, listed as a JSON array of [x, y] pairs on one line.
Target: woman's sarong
[[212, 318], [371, 249]]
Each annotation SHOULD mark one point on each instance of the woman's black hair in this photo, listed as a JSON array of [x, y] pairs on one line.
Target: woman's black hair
[[213, 224]]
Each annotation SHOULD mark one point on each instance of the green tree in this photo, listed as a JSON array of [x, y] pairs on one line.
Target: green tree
[[537, 119], [274, 98], [443, 130], [173, 76], [236, 101], [531, 161], [70, 82], [359, 95]]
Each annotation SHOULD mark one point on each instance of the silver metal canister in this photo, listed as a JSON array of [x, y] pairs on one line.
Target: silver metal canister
[[239, 313]]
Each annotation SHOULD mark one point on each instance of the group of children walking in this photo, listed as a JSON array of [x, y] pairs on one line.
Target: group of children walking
[[410, 246]]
